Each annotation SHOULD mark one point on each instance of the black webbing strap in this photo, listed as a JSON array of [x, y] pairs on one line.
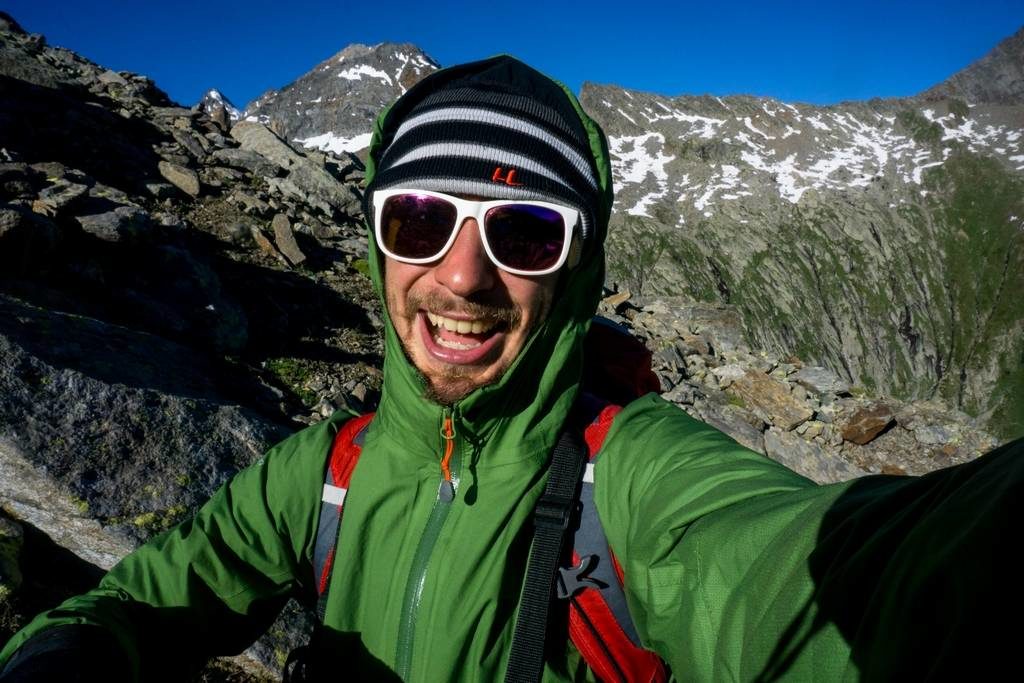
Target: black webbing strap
[[551, 519]]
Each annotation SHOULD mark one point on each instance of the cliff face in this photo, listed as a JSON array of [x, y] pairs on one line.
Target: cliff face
[[883, 239]]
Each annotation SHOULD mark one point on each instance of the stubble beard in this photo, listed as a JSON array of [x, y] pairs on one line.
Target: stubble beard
[[452, 383]]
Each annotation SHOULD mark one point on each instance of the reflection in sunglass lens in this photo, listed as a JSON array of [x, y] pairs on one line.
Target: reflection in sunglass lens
[[525, 237], [416, 225]]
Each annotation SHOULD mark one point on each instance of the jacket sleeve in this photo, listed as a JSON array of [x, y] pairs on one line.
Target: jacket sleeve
[[738, 569], [212, 584]]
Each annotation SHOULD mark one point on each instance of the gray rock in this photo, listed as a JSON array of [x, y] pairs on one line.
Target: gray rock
[[112, 77], [933, 435], [727, 374], [807, 458], [820, 380], [285, 240], [101, 413], [124, 222], [32, 496], [249, 203], [305, 181], [763, 395], [188, 140], [738, 423], [61, 193], [160, 190], [185, 179], [245, 159], [257, 138]]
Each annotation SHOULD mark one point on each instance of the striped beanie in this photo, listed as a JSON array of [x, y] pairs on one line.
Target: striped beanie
[[495, 128]]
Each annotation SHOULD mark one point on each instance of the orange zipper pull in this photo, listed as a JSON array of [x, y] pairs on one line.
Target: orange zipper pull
[[447, 490]]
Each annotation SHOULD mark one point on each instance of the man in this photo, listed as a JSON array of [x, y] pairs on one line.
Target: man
[[488, 197]]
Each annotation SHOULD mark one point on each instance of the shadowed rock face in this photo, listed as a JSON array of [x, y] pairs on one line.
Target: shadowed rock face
[[882, 239]]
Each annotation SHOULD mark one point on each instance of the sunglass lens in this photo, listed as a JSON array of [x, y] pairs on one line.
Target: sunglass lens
[[416, 225], [525, 237]]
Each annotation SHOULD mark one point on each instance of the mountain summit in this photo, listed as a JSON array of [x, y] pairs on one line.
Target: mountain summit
[[219, 108], [332, 107], [996, 78]]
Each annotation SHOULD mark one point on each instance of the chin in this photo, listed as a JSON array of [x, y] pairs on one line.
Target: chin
[[447, 388]]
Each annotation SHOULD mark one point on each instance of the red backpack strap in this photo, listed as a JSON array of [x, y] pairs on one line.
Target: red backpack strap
[[600, 625], [345, 450]]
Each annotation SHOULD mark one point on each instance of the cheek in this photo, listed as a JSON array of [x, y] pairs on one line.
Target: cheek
[[399, 278], [533, 296]]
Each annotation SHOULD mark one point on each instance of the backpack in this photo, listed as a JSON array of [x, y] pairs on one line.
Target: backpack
[[599, 623]]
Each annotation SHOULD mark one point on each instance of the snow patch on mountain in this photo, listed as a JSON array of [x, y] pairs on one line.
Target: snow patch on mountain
[[356, 73], [634, 161], [329, 142], [765, 143]]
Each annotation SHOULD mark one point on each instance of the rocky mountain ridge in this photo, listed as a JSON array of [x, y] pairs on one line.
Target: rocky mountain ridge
[[177, 293], [882, 239]]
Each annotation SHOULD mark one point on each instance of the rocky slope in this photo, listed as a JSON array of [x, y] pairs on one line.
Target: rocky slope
[[174, 298], [332, 107], [177, 292], [883, 239]]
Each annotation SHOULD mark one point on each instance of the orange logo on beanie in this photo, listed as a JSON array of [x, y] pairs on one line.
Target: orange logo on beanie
[[508, 179]]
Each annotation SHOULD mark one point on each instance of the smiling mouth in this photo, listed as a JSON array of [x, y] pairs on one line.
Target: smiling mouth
[[461, 335]]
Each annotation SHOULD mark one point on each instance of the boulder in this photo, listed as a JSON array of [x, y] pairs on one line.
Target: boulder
[[306, 181], [54, 198], [257, 138], [122, 425], [285, 240], [245, 159], [807, 458], [727, 374], [185, 179], [819, 380], [738, 423], [868, 422], [122, 223], [767, 396]]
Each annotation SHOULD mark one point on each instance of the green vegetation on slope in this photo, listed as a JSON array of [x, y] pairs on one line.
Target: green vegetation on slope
[[985, 280]]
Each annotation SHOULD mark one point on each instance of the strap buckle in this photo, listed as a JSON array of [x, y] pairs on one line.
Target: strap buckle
[[571, 580]]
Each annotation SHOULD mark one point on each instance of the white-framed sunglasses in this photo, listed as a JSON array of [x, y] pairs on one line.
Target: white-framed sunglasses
[[520, 237]]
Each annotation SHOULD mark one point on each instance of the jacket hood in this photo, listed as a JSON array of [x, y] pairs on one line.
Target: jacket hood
[[531, 400]]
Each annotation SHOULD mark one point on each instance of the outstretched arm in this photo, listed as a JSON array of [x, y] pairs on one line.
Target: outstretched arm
[[736, 568]]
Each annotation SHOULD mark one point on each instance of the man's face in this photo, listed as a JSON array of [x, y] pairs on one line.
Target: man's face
[[461, 319]]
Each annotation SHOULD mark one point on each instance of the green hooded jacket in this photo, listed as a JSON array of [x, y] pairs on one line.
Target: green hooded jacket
[[735, 567]]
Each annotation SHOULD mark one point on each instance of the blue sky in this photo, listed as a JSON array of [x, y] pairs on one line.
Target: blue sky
[[818, 52]]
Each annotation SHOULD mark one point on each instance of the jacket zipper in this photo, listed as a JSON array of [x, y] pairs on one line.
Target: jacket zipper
[[425, 548]]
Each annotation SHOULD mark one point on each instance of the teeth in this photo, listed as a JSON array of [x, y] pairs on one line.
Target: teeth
[[453, 344], [460, 326]]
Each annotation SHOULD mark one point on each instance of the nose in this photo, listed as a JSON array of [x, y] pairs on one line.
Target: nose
[[466, 269]]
